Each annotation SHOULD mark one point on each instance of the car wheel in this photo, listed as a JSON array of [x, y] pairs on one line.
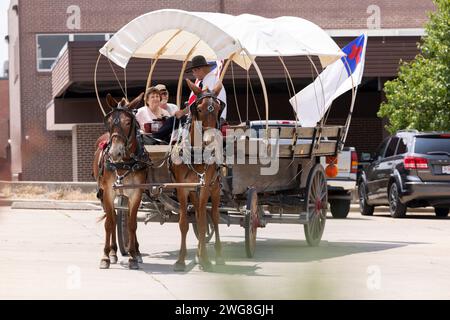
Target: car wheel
[[441, 212], [364, 207], [396, 208], [339, 208]]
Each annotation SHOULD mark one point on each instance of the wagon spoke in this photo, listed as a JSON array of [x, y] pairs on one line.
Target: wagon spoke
[[318, 227], [313, 189], [316, 187]]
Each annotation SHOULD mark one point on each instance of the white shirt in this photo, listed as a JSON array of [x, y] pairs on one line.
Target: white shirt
[[145, 115], [171, 108], [210, 81]]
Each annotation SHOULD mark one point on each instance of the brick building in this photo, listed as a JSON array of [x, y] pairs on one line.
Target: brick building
[[5, 161], [54, 45]]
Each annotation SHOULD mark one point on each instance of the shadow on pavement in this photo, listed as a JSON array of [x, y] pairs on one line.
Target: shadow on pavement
[[269, 250], [413, 216]]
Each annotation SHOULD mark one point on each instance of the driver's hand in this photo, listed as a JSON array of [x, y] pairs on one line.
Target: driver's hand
[[179, 114]]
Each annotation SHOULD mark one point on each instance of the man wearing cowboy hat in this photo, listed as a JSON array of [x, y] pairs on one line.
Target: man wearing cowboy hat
[[205, 77]]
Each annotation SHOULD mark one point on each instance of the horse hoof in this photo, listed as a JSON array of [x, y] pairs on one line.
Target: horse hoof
[[113, 259], [206, 266], [104, 264], [179, 266], [133, 264], [220, 261], [139, 259]]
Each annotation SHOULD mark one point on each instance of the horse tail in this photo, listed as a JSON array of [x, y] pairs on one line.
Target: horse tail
[[100, 219]]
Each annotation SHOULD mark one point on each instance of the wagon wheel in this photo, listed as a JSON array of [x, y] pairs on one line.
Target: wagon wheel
[[122, 226], [209, 228], [251, 222], [316, 205]]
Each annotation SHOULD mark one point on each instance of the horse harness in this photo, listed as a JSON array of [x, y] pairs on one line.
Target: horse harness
[[138, 161], [194, 108]]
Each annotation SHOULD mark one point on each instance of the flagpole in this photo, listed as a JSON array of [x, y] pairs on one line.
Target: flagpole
[[354, 92]]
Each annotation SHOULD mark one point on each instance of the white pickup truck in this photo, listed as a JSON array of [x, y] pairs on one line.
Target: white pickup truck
[[341, 187]]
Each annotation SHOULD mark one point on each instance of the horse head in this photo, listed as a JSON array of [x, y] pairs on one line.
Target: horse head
[[207, 106], [122, 127]]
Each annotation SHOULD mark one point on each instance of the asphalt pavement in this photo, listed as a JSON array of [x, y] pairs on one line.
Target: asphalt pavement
[[55, 254]]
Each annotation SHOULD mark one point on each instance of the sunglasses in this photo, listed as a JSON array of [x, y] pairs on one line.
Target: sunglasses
[[164, 93]]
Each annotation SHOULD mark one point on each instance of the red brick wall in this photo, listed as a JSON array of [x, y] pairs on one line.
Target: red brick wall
[[83, 148], [5, 173], [4, 99], [342, 14], [365, 134]]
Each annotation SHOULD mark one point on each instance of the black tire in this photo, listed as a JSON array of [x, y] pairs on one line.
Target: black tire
[[339, 208], [122, 226], [251, 222], [365, 208], [316, 205], [441, 212], [209, 228], [396, 208]]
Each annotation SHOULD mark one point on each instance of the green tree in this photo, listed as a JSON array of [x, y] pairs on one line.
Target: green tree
[[419, 98]]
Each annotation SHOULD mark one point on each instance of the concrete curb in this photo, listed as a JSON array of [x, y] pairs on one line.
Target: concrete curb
[[54, 205], [52, 186]]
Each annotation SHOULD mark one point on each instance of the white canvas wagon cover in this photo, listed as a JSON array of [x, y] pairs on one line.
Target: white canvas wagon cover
[[176, 34]]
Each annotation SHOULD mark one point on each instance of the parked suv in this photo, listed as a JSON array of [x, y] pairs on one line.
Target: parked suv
[[410, 169]]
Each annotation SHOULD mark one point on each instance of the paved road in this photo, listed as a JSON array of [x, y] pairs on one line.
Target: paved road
[[55, 254]]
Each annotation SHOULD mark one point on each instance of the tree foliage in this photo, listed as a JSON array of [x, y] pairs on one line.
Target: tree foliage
[[419, 98]]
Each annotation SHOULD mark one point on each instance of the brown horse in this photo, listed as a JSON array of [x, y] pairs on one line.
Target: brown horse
[[206, 110], [118, 160]]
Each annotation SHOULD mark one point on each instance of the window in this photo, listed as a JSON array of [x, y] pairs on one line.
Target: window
[[89, 37], [48, 48], [390, 151], [380, 151], [425, 144], [50, 45], [401, 148]]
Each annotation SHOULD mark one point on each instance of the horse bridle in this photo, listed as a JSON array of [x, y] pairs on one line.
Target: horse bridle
[[115, 115], [210, 109]]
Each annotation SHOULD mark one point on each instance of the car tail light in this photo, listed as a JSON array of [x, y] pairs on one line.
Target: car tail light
[[354, 159], [445, 135], [415, 163], [331, 170]]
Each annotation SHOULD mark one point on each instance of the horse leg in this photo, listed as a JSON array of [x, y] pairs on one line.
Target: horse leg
[[180, 265], [200, 215], [138, 253], [215, 215], [113, 252], [109, 210], [133, 206]]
